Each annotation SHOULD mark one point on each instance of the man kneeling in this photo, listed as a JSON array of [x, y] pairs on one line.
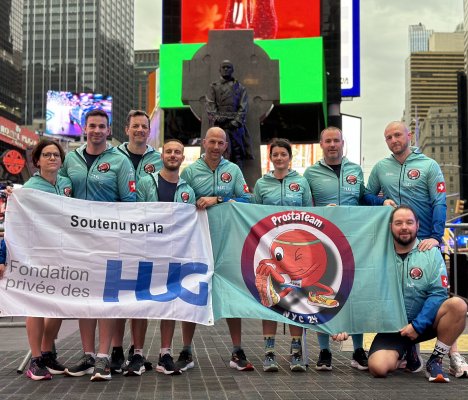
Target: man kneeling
[[430, 313]]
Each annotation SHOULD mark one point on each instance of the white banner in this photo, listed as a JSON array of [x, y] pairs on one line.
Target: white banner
[[71, 258]]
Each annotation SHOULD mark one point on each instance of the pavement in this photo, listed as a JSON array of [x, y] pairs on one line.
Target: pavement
[[212, 378]]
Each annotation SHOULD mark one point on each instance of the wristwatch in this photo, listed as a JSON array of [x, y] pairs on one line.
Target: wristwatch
[[220, 199]]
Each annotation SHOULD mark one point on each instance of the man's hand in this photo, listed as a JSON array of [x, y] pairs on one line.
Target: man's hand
[[427, 244], [389, 202], [2, 270], [205, 202], [340, 337], [409, 331]]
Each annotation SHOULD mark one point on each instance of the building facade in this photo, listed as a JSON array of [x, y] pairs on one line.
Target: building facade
[[431, 76], [146, 62], [418, 37], [439, 140], [11, 45], [78, 46]]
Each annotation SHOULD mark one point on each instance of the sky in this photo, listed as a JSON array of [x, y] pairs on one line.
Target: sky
[[384, 49]]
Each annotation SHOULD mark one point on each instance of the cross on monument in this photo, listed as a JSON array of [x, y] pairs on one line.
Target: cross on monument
[[253, 68]]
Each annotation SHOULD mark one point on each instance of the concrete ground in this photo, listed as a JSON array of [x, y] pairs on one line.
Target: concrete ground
[[212, 378]]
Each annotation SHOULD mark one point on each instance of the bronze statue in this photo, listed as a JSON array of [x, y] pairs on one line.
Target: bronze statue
[[226, 106]]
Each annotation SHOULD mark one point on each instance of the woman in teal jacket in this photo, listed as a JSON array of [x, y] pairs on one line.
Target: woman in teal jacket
[[48, 157], [282, 187]]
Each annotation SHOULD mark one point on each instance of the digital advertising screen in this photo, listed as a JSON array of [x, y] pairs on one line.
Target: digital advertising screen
[[66, 111], [269, 19]]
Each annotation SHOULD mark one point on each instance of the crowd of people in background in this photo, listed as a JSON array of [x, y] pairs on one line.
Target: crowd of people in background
[[411, 183]]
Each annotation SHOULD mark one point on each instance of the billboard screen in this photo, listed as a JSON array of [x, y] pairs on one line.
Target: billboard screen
[[66, 111], [280, 19]]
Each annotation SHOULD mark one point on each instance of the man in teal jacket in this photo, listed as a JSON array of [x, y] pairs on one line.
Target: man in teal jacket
[[430, 314], [335, 181], [215, 181], [100, 173], [145, 161]]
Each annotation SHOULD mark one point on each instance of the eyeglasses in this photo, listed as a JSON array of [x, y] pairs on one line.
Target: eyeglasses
[[49, 155]]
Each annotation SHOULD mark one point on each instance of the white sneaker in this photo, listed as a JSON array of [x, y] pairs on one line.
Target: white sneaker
[[458, 366]]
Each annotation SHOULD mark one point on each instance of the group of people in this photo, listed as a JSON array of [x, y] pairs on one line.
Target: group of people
[[411, 183]]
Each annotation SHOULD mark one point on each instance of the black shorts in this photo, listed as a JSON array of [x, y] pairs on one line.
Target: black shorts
[[394, 341]]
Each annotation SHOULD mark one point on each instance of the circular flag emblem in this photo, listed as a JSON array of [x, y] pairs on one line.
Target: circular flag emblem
[[294, 187], [226, 177], [185, 197], [351, 179], [149, 168], [416, 273], [104, 167], [414, 174], [298, 264]]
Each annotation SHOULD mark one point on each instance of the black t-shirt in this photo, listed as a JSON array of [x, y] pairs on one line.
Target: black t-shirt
[[90, 158], [166, 190], [134, 158], [403, 255], [336, 169]]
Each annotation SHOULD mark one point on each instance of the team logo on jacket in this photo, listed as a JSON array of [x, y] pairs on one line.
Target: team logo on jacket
[[226, 177], [67, 191], [444, 280], [299, 265], [149, 168], [103, 167], [351, 179], [414, 174], [416, 273], [185, 197], [294, 187]]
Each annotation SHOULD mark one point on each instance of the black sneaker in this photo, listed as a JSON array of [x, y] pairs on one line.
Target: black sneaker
[[116, 360], [135, 367], [52, 364], [102, 371], [37, 370], [84, 367], [414, 362], [239, 361], [166, 365], [324, 362], [185, 361], [359, 360]]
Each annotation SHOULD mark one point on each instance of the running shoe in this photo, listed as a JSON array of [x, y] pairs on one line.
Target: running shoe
[[324, 362], [102, 371], [434, 371], [414, 362], [297, 363], [269, 363], [458, 366], [239, 361], [117, 360], [52, 364], [167, 366], [135, 367], [37, 370], [185, 361], [322, 301], [359, 360], [84, 367]]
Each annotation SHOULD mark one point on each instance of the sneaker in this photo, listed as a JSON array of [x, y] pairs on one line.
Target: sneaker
[[102, 371], [117, 359], [322, 301], [269, 363], [414, 362], [434, 371], [37, 370], [136, 366], [52, 364], [239, 361], [185, 361], [297, 363], [359, 360], [458, 366], [84, 367], [266, 290], [167, 366], [324, 362]]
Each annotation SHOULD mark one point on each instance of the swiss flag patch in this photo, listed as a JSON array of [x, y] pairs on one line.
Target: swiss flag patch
[[444, 280], [132, 186], [246, 189], [441, 187]]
